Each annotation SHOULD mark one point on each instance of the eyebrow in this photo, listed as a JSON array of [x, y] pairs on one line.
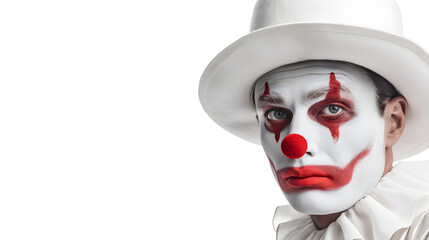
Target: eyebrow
[[322, 92], [269, 99], [266, 100]]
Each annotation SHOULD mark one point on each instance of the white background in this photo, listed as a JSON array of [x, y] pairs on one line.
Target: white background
[[102, 135]]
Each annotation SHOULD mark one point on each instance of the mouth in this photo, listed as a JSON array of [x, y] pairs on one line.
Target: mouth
[[320, 177], [316, 177]]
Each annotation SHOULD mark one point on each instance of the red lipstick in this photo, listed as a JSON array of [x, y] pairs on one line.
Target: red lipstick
[[318, 177]]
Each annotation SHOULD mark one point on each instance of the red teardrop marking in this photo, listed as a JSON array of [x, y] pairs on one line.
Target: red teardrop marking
[[334, 93], [333, 96], [335, 87], [294, 146], [277, 130], [276, 126], [267, 89]]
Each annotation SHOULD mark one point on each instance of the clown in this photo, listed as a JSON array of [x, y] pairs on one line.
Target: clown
[[333, 95]]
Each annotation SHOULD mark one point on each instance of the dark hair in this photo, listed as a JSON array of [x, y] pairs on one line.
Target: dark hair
[[384, 89]]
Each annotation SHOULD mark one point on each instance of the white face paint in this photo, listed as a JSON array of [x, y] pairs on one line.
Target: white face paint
[[333, 106]]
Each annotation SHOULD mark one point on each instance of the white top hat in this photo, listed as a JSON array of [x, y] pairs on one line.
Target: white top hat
[[364, 32]]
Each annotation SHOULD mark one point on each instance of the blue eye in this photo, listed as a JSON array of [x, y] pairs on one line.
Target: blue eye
[[332, 110], [276, 115]]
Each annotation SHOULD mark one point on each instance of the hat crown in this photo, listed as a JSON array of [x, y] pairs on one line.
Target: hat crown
[[381, 15]]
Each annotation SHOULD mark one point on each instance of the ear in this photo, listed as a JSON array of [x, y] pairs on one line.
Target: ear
[[394, 118]]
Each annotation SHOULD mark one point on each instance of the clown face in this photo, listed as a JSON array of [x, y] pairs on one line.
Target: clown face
[[322, 133]]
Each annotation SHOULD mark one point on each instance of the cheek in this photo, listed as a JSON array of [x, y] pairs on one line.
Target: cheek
[[271, 146], [370, 170], [267, 140], [358, 134], [363, 128]]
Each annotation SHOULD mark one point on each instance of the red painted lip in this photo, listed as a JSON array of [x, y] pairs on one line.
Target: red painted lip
[[319, 177], [304, 172]]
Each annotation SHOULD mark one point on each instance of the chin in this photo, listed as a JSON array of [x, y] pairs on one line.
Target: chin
[[320, 202], [317, 202]]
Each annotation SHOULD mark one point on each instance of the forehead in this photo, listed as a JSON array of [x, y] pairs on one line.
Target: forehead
[[308, 76]]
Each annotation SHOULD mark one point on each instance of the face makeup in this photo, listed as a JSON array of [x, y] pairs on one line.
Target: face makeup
[[322, 133]]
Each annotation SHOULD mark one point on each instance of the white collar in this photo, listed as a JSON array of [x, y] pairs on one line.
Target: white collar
[[397, 208]]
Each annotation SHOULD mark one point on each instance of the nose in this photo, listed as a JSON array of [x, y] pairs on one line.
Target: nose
[[294, 146]]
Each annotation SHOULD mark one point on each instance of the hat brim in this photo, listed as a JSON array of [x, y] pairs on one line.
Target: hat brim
[[226, 85]]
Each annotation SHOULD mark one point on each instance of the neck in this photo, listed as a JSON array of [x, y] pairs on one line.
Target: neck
[[323, 221], [389, 160]]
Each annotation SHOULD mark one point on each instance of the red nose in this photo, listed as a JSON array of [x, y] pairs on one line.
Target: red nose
[[294, 146]]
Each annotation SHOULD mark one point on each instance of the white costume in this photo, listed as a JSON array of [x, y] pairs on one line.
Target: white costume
[[398, 208]]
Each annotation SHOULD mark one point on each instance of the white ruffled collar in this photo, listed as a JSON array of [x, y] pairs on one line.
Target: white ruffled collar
[[397, 208]]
